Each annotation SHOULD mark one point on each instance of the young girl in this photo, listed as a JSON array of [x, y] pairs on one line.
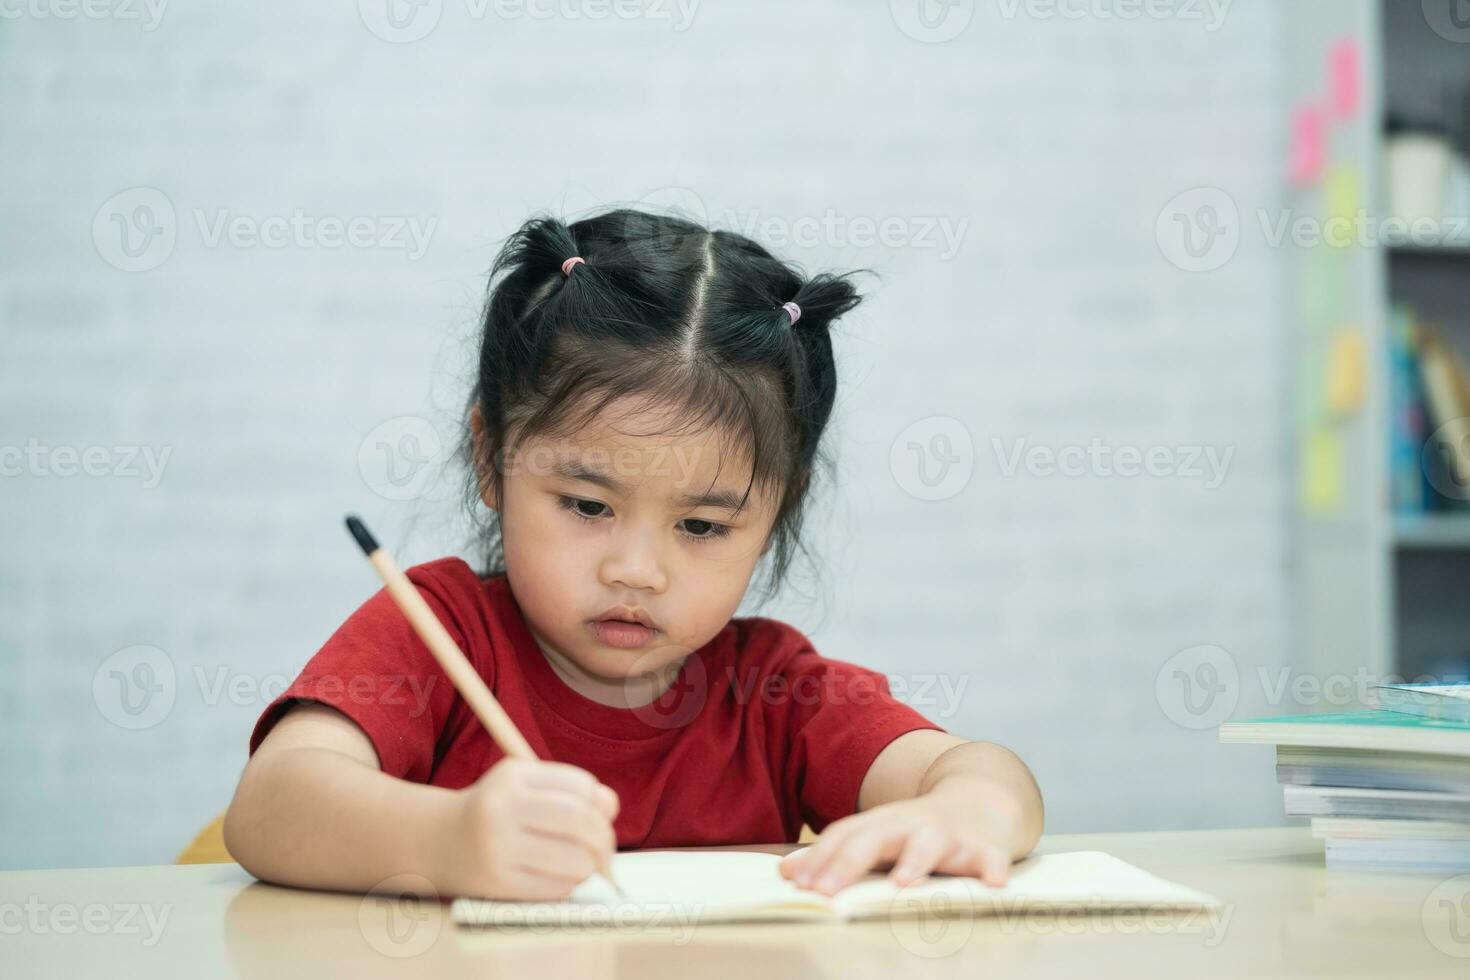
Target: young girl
[[645, 426]]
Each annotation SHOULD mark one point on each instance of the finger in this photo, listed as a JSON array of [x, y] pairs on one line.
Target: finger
[[577, 782], [979, 858], [832, 842], [555, 857], [794, 862], [606, 799], [860, 853], [563, 776], [810, 862], [555, 814], [995, 865], [925, 848], [531, 885]]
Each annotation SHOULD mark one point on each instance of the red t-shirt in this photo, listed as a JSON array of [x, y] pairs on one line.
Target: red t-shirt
[[758, 734]]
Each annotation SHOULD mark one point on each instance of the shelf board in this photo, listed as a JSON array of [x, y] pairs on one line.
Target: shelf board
[[1432, 531], [1456, 249]]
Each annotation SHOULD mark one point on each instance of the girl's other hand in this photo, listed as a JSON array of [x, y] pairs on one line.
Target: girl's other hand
[[935, 832]]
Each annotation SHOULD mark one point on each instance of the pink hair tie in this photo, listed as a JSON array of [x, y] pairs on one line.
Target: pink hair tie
[[566, 267], [793, 310]]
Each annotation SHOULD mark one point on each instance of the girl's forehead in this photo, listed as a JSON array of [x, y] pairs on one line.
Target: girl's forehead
[[685, 458], [635, 448], [630, 428]]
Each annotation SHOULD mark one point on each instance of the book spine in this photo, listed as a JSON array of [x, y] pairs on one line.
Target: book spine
[[1407, 431]]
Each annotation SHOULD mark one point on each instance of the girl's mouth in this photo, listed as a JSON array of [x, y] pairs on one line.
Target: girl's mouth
[[621, 633]]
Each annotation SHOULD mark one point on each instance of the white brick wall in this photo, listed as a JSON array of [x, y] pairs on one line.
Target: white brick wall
[[1053, 600]]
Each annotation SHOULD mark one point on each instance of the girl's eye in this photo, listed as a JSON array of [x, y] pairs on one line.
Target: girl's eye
[[575, 505], [705, 530]]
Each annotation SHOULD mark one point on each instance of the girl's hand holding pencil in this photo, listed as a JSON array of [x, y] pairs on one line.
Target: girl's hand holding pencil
[[528, 830]]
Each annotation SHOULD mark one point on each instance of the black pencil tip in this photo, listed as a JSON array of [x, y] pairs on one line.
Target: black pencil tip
[[359, 530]]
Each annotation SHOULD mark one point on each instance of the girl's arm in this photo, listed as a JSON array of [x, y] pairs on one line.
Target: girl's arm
[[313, 809], [930, 802]]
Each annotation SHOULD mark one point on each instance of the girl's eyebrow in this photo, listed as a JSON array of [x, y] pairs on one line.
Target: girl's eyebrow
[[719, 498]]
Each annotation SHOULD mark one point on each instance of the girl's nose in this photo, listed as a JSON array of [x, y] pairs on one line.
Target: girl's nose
[[634, 561]]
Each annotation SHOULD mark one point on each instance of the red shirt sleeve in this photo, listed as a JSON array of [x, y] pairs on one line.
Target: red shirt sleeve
[[376, 671], [831, 719]]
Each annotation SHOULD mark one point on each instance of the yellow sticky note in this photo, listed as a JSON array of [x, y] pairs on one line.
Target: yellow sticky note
[[1342, 196], [1322, 471], [1347, 371]]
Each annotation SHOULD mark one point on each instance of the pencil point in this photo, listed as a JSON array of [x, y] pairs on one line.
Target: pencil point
[[364, 538]]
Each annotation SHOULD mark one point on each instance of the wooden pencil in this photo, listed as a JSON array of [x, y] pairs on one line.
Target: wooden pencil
[[466, 680]]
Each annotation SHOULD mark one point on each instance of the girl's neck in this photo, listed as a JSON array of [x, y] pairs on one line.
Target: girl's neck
[[631, 692]]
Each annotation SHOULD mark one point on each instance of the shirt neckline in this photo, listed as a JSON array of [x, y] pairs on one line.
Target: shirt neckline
[[581, 712]]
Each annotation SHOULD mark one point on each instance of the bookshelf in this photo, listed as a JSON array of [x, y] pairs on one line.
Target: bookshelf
[[1373, 586]]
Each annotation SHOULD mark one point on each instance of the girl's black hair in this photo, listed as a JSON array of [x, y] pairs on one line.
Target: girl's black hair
[[663, 308]]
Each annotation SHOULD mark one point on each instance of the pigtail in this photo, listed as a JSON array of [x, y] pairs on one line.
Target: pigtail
[[806, 319], [823, 299]]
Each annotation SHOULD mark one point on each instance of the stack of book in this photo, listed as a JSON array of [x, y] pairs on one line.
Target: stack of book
[[1386, 789]]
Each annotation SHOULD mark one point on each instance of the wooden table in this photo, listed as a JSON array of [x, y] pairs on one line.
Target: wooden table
[[1285, 916]]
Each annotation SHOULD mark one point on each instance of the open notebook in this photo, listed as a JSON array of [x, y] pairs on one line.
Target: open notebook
[[733, 886]]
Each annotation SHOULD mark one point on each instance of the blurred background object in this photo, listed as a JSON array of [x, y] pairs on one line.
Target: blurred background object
[[1119, 441]]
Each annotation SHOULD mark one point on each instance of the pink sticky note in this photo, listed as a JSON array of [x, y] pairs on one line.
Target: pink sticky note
[[1344, 78], [1308, 144]]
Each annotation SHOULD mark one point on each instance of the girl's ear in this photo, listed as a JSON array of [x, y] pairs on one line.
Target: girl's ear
[[481, 457]]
